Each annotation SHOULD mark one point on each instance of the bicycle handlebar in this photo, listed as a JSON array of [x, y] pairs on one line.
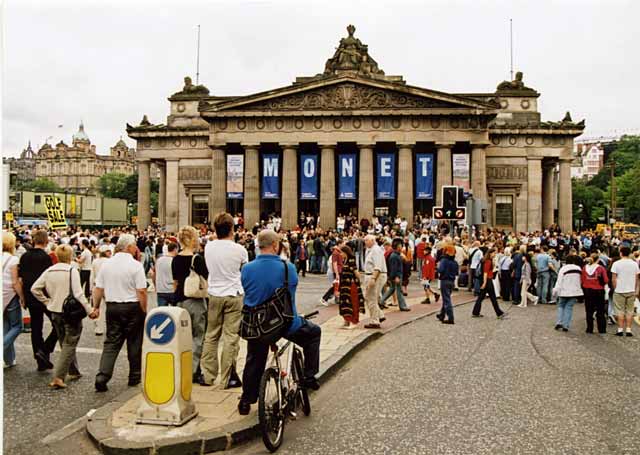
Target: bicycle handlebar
[[311, 315]]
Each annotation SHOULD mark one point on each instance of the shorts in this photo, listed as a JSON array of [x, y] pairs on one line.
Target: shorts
[[623, 303], [426, 284]]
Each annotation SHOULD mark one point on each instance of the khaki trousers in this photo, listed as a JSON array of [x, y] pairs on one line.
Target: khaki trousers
[[223, 321], [371, 296]]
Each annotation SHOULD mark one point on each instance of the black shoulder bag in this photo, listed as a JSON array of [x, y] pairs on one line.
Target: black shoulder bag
[[72, 310], [267, 322]]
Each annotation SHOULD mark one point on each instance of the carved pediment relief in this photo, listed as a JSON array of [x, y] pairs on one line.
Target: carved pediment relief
[[348, 96]]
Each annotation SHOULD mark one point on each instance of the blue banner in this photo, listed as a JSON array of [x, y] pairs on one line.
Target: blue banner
[[270, 177], [386, 172], [308, 177], [424, 175], [347, 176]]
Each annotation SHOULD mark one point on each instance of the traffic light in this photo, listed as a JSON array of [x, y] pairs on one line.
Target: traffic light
[[452, 208]]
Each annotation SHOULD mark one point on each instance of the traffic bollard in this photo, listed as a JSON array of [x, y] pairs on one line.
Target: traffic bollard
[[166, 368]]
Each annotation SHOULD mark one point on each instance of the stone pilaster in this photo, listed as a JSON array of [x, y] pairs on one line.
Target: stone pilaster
[[328, 187], [565, 199], [405, 182], [534, 194], [479, 171], [251, 186], [548, 171], [171, 208], [218, 182], [365, 182], [144, 194], [444, 173], [162, 200], [289, 186]]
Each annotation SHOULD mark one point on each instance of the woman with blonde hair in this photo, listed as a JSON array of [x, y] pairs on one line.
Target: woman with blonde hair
[[59, 281], [185, 261], [12, 298]]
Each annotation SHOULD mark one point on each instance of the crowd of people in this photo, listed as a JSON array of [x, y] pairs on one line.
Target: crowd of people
[[368, 264]]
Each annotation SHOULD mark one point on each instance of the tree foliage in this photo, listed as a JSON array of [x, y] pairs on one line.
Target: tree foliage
[[117, 185], [41, 184]]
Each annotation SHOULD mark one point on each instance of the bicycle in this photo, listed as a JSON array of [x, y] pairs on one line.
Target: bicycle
[[281, 392]]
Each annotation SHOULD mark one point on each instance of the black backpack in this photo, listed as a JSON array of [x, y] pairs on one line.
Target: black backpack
[[72, 310]]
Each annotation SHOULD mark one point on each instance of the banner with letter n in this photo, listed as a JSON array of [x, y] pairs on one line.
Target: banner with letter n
[[308, 176], [424, 175], [55, 212], [386, 172], [235, 174], [347, 176], [270, 176]]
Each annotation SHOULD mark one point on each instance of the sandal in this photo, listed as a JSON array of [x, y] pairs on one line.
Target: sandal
[[57, 385]]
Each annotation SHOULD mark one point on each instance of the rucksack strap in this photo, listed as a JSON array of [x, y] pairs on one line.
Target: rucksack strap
[[286, 274]]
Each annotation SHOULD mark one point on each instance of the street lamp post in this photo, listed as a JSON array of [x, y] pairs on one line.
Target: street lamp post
[[580, 209]]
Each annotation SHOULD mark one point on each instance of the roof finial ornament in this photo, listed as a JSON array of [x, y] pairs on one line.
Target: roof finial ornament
[[145, 121], [352, 56]]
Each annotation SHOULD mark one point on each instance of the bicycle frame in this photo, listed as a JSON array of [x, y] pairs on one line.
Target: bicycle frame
[[284, 373]]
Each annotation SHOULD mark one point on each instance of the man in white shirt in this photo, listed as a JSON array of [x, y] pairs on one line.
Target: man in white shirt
[[626, 287], [163, 277], [224, 260], [84, 261], [122, 282], [375, 276]]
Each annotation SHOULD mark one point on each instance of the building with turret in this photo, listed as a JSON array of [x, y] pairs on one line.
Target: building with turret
[[22, 169], [77, 167]]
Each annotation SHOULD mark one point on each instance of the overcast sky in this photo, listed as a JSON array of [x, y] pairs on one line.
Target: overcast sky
[[109, 62]]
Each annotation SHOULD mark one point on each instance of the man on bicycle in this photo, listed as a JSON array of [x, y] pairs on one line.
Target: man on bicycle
[[260, 279]]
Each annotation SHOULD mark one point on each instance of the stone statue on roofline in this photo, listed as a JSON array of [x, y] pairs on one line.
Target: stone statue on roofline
[[516, 84], [190, 89], [352, 56]]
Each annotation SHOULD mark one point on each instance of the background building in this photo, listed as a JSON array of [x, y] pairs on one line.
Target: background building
[[23, 169], [352, 139], [590, 154], [78, 167]]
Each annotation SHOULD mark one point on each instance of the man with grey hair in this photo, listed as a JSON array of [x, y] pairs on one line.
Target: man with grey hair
[[122, 282], [260, 279], [375, 275]]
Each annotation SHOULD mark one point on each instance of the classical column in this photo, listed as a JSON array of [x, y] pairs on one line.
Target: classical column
[[565, 200], [144, 194], [251, 186], [534, 194], [548, 171], [218, 182], [328, 187], [162, 194], [171, 208], [365, 182], [444, 173], [405, 182], [479, 171], [289, 186]]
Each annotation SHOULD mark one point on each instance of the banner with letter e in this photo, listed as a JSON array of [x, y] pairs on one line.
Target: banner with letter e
[[55, 212], [386, 172], [424, 175], [270, 176]]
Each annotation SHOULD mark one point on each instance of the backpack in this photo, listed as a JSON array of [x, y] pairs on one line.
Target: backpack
[[195, 286], [72, 310]]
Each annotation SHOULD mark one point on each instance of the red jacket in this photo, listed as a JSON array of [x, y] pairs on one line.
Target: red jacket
[[428, 268], [597, 280]]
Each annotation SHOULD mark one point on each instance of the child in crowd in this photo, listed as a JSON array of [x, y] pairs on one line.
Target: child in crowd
[[428, 273]]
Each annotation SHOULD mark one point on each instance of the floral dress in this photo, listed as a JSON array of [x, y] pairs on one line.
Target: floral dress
[[351, 298]]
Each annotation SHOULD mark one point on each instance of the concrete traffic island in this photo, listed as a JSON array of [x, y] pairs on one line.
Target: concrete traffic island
[[218, 425]]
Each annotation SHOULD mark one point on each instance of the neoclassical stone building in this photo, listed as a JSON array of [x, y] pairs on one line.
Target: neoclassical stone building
[[78, 167], [23, 168], [353, 139]]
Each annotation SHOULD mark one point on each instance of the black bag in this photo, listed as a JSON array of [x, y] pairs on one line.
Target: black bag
[[267, 322], [72, 310]]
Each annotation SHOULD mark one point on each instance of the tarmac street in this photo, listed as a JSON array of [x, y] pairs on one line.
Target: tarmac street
[[482, 386]]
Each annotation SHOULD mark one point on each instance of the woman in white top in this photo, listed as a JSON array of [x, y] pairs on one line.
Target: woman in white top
[[567, 289], [525, 280], [12, 298], [58, 280]]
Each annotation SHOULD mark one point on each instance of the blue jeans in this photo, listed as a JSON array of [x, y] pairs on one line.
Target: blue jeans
[[11, 328], [165, 299], [322, 260], [515, 292], [565, 311], [397, 288], [542, 286], [446, 288]]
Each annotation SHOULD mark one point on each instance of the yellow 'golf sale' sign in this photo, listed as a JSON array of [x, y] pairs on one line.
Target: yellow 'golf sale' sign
[[55, 212]]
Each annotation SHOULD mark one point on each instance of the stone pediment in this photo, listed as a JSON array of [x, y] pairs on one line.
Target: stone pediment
[[346, 93]]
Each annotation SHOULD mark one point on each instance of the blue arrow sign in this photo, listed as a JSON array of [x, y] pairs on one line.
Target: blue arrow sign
[[160, 328]]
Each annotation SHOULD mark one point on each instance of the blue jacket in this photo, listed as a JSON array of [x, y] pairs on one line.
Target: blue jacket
[[517, 266], [447, 269], [260, 279], [395, 266]]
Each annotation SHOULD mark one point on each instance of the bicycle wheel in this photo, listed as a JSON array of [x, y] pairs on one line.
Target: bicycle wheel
[[303, 393], [270, 413]]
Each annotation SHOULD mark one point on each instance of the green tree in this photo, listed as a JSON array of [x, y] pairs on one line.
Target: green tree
[[627, 194], [112, 184], [592, 200], [40, 184], [122, 186]]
